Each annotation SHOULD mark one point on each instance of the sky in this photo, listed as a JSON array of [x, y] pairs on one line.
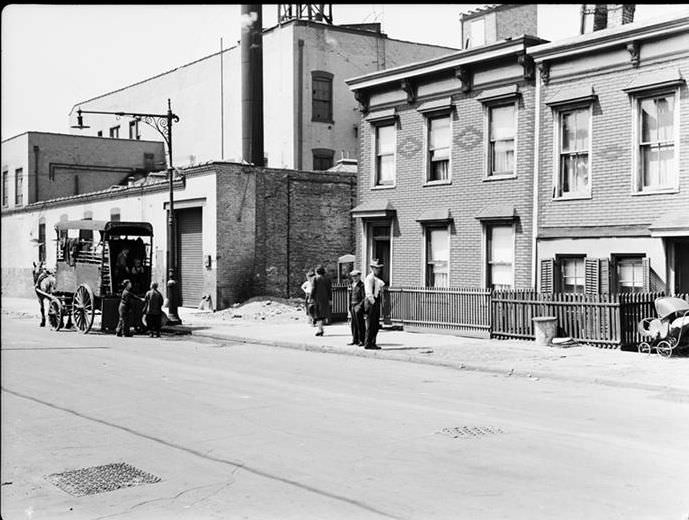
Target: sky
[[54, 56]]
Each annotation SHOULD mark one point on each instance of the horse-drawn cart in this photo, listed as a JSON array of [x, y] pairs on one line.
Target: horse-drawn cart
[[93, 259]]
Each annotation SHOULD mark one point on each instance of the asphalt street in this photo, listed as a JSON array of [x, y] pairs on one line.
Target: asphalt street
[[256, 432]]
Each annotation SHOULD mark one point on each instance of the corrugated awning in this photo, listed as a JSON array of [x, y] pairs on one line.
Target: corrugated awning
[[380, 208], [565, 96], [435, 215], [654, 79], [671, 224], [497, 211], [437, 105], [498, 94]]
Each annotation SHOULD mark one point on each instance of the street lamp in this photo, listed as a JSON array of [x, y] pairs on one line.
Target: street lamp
[[162, 123]]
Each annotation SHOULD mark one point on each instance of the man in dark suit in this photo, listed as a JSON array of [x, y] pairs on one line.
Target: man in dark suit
[[322, 297], [357, 296]]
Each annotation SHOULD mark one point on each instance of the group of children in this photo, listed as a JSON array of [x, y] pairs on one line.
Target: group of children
[[153, 309]]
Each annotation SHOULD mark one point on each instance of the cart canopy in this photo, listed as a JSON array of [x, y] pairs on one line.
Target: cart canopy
[[110, 228]]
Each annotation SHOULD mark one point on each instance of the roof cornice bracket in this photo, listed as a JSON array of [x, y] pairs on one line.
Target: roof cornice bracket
[[409, 88], [464, 75], [362, 98], [527, 64], [634, 53], [544, 70]]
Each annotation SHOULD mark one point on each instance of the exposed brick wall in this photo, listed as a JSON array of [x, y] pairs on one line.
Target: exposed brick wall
[[290, 221], [516, 20], [612, 201], [468, 194]]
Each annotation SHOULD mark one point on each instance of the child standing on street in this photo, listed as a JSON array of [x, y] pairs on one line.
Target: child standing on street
[[153, 307]]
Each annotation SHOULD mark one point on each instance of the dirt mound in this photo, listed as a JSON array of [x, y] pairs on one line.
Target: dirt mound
[[265, 309]]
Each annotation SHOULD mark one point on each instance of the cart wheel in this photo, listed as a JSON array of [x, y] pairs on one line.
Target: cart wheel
[[644, 348], [664, 349], [83, 308], [55, 317]]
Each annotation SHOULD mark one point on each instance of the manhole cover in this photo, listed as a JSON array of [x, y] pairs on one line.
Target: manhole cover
[[101, 479], [467, 432]]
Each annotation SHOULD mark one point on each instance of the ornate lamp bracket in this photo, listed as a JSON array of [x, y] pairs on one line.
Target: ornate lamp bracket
[[464, 75], [634, 56]]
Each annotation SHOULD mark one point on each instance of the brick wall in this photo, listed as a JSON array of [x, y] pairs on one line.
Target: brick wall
[[466, 196], [612, 201], [290, 221]]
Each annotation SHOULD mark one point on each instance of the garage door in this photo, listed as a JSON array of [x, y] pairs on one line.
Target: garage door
[[190, 255]]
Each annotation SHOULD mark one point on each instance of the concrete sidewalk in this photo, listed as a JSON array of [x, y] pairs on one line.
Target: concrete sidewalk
[[503, 358]]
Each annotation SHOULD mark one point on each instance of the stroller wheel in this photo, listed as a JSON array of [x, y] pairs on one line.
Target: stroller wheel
[[664, 349], [644, 348]]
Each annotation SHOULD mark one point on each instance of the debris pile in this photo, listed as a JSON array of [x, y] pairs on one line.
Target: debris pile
[[564, 342], [264, 309]]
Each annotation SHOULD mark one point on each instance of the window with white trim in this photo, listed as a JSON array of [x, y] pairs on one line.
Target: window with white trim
[[5, 188], [655, 149], [501, 139], [629, 272], [437, 256], [499, 257], [134, 129], [438, 162], [115, 132], [574, 153], [19, 187], [385, 154]]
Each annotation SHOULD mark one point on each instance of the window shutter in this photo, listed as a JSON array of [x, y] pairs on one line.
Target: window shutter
[[547, 271], [646, 269], [597, 275]]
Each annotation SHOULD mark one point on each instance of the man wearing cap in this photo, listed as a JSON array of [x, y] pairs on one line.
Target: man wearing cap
[[357, 296], [373, 287]]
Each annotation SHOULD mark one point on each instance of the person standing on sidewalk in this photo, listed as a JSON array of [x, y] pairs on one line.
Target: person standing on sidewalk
[[373, 287], [357, 296], [125, 309], [321, 296], [153, 307], [308, 304]]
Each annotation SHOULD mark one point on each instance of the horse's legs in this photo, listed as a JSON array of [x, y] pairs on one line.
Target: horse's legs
[[40, 303]]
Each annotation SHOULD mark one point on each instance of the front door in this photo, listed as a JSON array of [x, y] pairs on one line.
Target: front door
[[379, 247]]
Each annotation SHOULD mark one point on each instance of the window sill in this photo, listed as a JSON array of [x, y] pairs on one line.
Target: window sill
[[437, 183], [573, 197], [322, 121], [384, 187], [493, 178], [666, 191]]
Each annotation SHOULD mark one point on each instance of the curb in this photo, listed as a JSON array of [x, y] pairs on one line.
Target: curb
[[359, 352]]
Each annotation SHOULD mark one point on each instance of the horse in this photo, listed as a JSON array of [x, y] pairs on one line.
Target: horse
[[44, 281]]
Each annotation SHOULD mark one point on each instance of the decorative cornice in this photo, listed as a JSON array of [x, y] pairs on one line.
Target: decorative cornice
[[409, 88], [362, 98], [527, 64], [633, 48], [463, 74], [544, 70]]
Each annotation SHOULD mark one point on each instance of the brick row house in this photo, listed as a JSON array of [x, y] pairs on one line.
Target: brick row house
[[613, 161], [524, 164]]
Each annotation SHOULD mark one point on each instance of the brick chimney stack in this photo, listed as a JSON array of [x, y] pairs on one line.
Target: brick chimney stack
[[606, 16]]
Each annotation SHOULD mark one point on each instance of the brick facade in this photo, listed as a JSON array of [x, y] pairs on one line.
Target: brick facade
[[470, 191]]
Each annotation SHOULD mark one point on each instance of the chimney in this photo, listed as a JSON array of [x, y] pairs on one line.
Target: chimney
[[620, 14], [252, 83]]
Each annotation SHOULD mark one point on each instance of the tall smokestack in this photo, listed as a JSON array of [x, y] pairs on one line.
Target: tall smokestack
[[252, 84]]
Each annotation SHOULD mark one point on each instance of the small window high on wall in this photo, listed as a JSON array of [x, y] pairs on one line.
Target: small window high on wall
[[321, 96], [115, 214]]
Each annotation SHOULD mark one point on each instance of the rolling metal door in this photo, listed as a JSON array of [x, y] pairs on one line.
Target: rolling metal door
[[190, 255]]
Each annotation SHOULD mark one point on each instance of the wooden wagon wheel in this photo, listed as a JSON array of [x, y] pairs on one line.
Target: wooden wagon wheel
[[55, 314], [84, 308]]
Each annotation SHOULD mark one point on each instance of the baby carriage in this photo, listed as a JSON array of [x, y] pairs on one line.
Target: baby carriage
[[667, 332]]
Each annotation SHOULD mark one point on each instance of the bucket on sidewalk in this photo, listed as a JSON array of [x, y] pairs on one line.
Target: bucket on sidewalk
[[545, 328]]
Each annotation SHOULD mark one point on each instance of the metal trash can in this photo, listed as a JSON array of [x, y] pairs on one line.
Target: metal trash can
[[545, 328]]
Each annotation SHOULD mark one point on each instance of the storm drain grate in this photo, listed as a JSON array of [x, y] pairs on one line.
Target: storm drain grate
[[101, 479], [468, 432]]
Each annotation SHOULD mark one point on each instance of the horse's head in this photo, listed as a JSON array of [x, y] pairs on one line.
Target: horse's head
[[38, 268]]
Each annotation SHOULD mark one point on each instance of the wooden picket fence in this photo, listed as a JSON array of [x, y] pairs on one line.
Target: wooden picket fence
[[605, 320]]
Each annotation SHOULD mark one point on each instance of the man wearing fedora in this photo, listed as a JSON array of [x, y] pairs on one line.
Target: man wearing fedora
[[357, 296], [373, 288]]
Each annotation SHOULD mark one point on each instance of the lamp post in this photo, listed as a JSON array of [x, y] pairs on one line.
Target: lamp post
[[162, 123]]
